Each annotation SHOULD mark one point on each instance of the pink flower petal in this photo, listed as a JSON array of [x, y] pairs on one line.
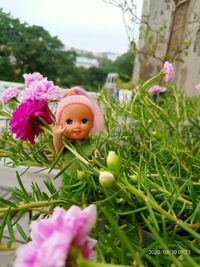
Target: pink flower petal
[[169, 72], [25, 119], [8, 94], [156, 89], [197, 87], [53, 237]]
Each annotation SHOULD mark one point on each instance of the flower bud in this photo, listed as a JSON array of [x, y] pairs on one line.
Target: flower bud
[[154, 133], [81, 175], [134, 178], [113, 161], [106, 179]]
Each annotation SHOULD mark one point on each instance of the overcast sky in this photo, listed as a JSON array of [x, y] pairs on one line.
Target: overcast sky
[[92, 25]]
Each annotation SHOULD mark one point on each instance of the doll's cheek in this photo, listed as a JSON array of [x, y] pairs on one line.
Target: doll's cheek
[[66, 135], [67, 132]]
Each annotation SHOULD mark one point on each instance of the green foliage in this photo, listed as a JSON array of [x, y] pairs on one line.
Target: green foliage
[[25, 49], [151, 215], [125, 85], [92, 78], [123, 65], [106, 64]]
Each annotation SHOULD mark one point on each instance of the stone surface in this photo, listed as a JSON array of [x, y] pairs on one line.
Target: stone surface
[[7, 180], [180, 26]]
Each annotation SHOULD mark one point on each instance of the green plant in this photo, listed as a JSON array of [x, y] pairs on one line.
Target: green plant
[[150, 214]]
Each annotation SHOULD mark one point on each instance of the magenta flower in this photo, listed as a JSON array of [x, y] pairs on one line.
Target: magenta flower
[[32, 77], [25, 120], [197, 87], [156, 89], [169, 72], [42, 90], [52, 238], [8, 94]]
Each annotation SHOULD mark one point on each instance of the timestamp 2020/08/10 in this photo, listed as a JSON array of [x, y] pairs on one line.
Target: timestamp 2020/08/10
[[169, 252]]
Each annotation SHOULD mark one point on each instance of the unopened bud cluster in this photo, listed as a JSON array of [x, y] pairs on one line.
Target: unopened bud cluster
[[107, 178]]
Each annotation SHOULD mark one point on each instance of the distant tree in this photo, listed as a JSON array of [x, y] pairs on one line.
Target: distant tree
[[123, 65], [25, 48], [106, 64], [95, 78]]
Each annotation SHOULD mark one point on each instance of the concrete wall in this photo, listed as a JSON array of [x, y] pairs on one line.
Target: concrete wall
[[158, 14], [181, 23], [188, 73]]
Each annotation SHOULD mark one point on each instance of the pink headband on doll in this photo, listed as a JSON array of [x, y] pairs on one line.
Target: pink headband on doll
[[78, 95]]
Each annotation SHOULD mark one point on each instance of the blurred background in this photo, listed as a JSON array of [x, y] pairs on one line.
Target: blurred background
[[95, 43], [70, 42]]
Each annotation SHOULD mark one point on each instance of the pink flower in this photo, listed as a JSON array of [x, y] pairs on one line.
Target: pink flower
[[31, 77], [169, 72], [25, 120], [197, 87], [52, 238], [9, 93], [42, 90], [156, 89]]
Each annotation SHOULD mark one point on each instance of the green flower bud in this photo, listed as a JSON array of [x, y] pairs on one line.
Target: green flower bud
[[113, 161], [154, 133], [134, 178], [120, 200], [106, 179], [81, 175]]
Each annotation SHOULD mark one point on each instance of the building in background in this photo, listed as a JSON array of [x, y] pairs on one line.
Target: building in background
[[178, 25], [110, 84], [86, 62], [109, 55]]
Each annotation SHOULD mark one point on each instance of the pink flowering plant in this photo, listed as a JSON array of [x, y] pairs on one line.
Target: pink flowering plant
[[30, 117], [33, 113], [135, 199], [42, 90], [29, 78], [53, 238], [197, 87], [26, 120], [156, 89], [9, 95], [169, 72]]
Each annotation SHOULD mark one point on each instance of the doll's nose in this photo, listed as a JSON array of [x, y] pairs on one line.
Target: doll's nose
[[76, 125]]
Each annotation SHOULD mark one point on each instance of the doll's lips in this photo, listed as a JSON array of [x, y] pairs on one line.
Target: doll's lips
[[77, 132]]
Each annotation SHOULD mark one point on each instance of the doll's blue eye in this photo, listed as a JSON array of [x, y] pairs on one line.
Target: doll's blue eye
[[69, 121], [84, 121]]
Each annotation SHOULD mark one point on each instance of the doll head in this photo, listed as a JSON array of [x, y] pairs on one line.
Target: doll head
[[79, 113]]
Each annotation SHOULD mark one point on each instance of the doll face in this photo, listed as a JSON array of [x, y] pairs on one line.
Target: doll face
[[78, 120]]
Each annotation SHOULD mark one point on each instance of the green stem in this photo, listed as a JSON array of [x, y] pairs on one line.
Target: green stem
[[149, 82], [77, 260], [161, 189], [152, 80], [5, 247], [151, 202], [32, 205], [86, 263], [76, 154]]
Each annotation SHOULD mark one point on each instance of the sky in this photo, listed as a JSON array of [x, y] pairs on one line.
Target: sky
[[91, 25]]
